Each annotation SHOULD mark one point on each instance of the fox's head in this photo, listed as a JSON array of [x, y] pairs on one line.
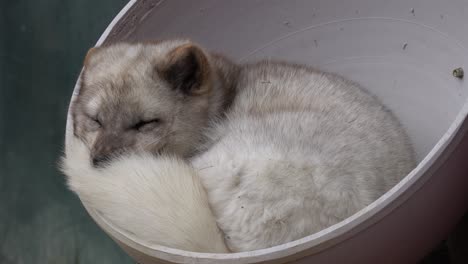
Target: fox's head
[[155, 97]]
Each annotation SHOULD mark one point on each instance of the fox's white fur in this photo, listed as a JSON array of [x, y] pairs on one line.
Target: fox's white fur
[[162, 200], [296, 150]]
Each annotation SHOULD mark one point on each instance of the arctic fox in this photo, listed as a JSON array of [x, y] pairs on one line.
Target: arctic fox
[[186, 149]]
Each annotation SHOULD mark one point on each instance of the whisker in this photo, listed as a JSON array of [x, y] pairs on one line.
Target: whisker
[[204, 168], [152, 143]]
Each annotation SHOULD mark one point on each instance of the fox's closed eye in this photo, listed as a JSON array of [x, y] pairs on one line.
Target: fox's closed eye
[[96, 121], [142, 124], [93, 124]]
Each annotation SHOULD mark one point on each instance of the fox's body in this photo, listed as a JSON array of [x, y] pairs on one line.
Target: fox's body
[[281, 150]]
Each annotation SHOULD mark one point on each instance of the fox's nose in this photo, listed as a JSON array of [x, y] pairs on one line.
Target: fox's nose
[[106, 147], [99, 160]]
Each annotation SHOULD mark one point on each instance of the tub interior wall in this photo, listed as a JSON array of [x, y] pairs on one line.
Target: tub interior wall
[[403, 51]]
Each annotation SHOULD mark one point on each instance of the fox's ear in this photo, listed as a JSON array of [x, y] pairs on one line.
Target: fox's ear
[[186, 68], [90, 54]]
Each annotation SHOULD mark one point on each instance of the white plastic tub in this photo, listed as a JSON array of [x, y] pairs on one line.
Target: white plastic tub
[[403, 51]]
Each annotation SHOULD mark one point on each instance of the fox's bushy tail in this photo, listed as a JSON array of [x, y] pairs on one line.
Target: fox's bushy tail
[[158, 199]]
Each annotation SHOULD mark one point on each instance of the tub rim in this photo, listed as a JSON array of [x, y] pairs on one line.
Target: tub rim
[[311, 244]]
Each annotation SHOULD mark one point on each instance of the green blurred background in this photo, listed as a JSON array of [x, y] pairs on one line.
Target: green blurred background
[[42, 44]]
